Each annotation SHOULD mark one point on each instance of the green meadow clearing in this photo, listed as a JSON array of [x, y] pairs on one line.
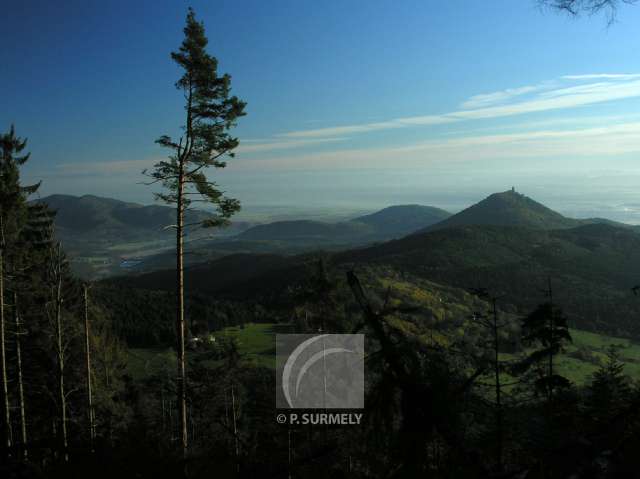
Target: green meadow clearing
[[256, 344]]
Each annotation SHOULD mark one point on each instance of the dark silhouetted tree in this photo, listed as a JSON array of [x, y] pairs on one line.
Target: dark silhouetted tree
[[610, 390], [426, 389], [14, 217], [210, 111], [494, 325], [546, 327]]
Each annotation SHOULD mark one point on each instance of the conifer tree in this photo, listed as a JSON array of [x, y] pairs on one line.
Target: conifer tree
[[13, 218], [547, 326], [210, 111], [609, 390]]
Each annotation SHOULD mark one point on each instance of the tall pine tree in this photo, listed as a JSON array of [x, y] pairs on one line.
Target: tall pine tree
[[14, 217], [210, 111]]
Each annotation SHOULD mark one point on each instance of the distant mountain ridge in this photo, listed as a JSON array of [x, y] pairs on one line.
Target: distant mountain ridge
[[388, 223], [401, 220], [99, 232], [94, 218], [510, 208]]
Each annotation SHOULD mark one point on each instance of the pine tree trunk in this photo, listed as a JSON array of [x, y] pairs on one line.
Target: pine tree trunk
[[60, 350], [499, 431], [23, 418], [235, 430], [3, 359], [88, 367], [182, 397], [551, 325], [163, 412]]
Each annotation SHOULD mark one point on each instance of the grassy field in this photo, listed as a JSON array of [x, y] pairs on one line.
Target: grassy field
[[579, 370], [256, 343], [587, 353]]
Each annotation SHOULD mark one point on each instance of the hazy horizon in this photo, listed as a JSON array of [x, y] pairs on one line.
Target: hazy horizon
[[619, 205], [341, 113]]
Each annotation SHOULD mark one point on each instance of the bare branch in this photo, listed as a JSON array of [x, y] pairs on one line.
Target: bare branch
[[589, 7]]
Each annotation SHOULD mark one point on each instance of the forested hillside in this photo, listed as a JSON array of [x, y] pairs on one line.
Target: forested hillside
[[593, 267]]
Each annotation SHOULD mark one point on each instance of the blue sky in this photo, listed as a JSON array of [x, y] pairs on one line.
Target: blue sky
[[351, 104]]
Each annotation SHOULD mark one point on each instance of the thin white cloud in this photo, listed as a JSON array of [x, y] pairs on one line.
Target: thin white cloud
[[546, 96], [536, 139], [368, 127], [490, 99], [621, 132], [269, 145], [593, 141], [545, 145], [609, 76], [129, 167], [563, 98], [564, 122]]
